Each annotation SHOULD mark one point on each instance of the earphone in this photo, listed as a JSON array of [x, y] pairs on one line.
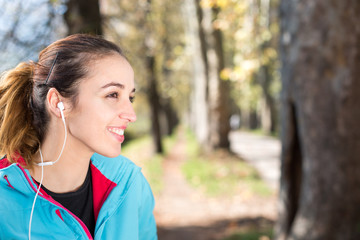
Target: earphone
[[60, 106]]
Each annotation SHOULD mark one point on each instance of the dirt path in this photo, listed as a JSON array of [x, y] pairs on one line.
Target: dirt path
[[182, 212]]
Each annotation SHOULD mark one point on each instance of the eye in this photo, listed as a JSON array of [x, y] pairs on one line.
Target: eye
[[132, 99], [113, 95]]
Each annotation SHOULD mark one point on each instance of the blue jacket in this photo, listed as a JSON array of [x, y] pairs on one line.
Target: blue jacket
[[123, 205]]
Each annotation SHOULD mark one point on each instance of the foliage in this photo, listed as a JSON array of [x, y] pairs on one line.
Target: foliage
[[221, 174], [155, 28], [250, 31]]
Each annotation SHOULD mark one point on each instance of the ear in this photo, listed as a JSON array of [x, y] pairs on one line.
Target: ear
[[53, 98]]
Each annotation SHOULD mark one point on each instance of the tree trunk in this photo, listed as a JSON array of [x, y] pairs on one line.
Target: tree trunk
[[220, 118], [320, 175], [153, 97], [198, 109], [83, 16], [149, 51], [218, 91], [268, 111], [171, 117]]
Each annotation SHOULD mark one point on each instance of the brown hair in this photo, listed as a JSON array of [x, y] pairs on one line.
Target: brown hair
[[23, 115]]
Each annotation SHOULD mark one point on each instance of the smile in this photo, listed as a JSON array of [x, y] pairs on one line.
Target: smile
[[117, 131]]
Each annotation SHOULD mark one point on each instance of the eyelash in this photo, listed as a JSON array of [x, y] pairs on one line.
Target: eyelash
[[113, 95], [116, 95]]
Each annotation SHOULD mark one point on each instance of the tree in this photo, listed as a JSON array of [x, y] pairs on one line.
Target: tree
[[83, 16], [151, 30], [28, 26], [320, 174], [217, 90], [250, 31], [197, 58]]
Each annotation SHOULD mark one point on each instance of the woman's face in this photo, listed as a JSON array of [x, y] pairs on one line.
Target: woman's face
[[104, 107]]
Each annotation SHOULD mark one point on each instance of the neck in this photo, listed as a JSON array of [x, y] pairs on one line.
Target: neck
[[67, 174]]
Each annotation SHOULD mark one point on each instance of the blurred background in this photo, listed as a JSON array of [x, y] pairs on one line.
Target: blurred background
[[247, 110]]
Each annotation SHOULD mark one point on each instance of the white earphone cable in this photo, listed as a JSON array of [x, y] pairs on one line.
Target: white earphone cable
[[62, 149], [42, 164], [37, 192]]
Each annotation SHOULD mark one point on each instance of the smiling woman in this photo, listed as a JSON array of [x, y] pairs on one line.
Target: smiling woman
[[62, 123], [104, 106]]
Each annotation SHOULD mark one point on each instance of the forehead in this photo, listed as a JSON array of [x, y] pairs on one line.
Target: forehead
[[113, 68]]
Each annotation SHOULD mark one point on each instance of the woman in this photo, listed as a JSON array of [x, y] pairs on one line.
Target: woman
[[62, 122]]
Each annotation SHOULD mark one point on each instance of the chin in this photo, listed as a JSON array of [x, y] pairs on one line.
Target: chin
[[110, 154]]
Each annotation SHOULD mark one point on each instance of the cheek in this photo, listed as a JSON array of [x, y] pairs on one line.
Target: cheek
[[86, 122], [90, 120]]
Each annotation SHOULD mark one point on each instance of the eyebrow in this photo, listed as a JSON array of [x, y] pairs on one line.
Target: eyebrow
[[113, 84]]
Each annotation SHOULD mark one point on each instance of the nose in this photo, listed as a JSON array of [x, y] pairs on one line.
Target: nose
[[128, 113]]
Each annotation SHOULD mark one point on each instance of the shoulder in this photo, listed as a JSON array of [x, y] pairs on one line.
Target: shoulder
[[124, 173], [14, 190], [119, 169]]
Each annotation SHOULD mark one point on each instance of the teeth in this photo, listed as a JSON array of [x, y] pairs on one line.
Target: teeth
[[117, 131]]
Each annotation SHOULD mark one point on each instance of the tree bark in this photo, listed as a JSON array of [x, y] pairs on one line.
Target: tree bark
[[152, 88], [220, 118], [217, 91], [268, 111], [83, 16], [153, 97], [320, 175], [199, 118], [171, 117]]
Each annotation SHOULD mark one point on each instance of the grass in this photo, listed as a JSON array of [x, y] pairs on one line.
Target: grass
[[154, 165], [261, 132], [154, 172], [252, 234], [221, 174], [131, 147], [250, 229], [141, 152]]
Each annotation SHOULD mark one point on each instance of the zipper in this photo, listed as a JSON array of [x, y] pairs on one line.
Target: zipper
[[86, 230], [7, 180]]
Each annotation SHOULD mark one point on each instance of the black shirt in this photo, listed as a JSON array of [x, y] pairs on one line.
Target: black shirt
[[79, 202]]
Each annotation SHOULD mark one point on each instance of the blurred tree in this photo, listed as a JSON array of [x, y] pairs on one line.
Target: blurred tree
[[266, 76], [217, 90], [196, 54], [250, 31], [83, 16], [26, 27], [153, 97], [152, 31], [320, 178]]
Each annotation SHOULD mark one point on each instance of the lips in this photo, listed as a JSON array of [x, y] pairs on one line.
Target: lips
[[118, 133]]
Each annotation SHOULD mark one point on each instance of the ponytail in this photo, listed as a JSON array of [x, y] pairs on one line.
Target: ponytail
[[61, 65], [17, 134]]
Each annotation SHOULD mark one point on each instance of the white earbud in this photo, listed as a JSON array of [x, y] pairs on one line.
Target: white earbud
[[60, 106]]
